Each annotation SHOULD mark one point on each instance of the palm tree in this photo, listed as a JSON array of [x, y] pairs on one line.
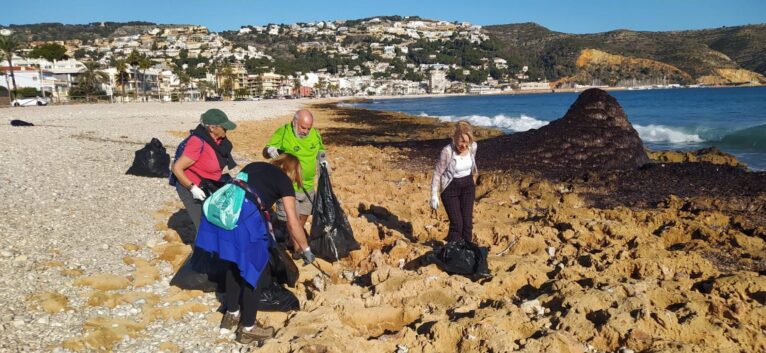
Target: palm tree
[[91, 79], [228, 76], [122, 76], [8, 45], [133, 60], [144, 63], [184, 80], [297, 86], [204, 87]]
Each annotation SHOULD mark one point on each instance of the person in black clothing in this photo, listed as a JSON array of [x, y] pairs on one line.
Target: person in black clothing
[[244, 281]]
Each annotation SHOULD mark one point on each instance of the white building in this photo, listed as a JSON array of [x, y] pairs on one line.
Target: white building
[[526, 86], [437, 81]]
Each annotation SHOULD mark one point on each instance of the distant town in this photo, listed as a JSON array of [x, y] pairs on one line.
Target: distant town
[[370, 57]]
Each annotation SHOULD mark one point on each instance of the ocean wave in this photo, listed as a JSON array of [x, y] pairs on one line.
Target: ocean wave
[[514, 124], [752, 138], [661, 133]]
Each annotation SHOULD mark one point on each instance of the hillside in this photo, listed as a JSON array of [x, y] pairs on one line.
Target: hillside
[[699, 53], [83, 32]]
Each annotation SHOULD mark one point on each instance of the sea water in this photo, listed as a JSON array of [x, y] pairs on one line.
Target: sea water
[[732, 119]]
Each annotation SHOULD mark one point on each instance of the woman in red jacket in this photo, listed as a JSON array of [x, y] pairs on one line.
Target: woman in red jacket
[[206, 153]]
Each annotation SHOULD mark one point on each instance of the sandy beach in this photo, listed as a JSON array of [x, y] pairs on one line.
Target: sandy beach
[[579, 263]]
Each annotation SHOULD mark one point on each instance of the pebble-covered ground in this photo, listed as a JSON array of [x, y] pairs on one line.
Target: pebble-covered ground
[[73, 226]]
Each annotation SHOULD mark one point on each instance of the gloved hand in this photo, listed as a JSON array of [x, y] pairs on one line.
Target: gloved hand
[[434, 202], [197, 193], [308, 256], [322, 159], [273, 152]]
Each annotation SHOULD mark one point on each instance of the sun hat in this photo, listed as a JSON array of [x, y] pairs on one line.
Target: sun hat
[[217, 117]]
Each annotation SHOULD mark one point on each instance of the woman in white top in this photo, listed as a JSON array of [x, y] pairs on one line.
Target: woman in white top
[[453, 178]]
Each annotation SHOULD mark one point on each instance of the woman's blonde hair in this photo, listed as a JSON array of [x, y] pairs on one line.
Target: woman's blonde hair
[[291, 166], [463, 127]]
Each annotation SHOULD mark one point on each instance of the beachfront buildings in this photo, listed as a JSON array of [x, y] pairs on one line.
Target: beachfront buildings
[[377, 56], [50, 79]]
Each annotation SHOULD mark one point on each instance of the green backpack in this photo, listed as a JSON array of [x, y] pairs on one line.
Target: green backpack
[[222, 208]]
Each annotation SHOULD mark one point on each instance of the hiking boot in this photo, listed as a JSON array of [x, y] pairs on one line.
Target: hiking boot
[[229, 321], [258, 333]]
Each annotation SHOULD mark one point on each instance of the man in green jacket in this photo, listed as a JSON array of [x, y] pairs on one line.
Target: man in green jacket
[[300, 139]]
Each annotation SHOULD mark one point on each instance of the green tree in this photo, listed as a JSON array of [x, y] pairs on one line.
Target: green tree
[[497, 73], [477, 76], [184, 79], [144, 63], [49, 51], [205, 87], [80, 53], [122, 76], [456, 75], [241, 92], [413, 76], [89, 82], [9, 45], [227, 77]]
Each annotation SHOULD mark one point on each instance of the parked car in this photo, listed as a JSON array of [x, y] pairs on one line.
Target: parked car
[[24, 102], [213, 98]]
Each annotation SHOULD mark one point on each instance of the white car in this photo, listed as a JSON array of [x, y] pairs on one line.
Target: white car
[[24, 102]]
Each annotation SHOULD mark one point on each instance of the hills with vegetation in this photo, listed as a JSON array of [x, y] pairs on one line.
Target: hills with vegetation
[[705, 56], [83, 32]]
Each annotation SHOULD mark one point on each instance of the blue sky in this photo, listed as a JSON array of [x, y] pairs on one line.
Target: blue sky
[[569, 16]]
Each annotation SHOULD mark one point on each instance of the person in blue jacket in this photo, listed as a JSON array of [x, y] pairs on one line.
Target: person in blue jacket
[[246, 247]]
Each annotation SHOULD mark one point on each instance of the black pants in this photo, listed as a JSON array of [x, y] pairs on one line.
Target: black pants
[[458, 200], [238, 291], [192, 205]]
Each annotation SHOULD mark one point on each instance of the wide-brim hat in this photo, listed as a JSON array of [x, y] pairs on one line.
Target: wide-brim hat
[[217, 117]]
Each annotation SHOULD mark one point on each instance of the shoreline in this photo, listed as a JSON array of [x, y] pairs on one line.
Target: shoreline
[[525, 92]]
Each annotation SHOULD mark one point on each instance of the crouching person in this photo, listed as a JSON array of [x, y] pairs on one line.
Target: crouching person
[[246, 247]]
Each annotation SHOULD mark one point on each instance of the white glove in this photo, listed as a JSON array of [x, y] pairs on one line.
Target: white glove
[[434, 202], [272, 152], [322, 158], [197, 193], [308, 256]]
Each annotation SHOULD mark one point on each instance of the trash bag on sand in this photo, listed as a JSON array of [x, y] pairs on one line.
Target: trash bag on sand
[[331, 235], [151, 161], [277, 298], [202, 271], [16, 122], [463, 258]]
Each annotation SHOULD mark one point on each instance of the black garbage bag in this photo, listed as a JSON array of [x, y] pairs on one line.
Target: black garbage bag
[[16, 122], [203, 271], [331, 236], [151, 161], [463, 258], [277, 298]]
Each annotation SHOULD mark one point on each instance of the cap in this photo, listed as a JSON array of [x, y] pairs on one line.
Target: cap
[[217, 117]]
